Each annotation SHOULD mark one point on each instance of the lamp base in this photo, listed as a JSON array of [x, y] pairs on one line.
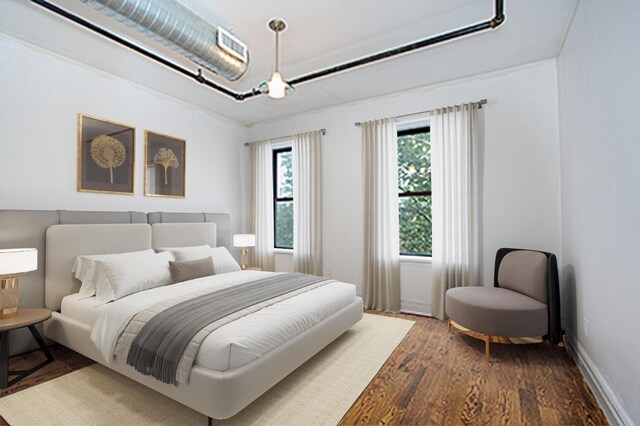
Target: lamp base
[[244, 258], [8, 297]]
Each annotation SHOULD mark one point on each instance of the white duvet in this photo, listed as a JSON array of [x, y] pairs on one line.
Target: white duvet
[[241, 341]]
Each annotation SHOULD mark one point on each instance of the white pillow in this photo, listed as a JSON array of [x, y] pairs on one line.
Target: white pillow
[[116, 278], [184, 253], [223, 262], [84, 268]]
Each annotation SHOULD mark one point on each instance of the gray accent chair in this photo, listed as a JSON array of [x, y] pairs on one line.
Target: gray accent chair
[[524, 302]]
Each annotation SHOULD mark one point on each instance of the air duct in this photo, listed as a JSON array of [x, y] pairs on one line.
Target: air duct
[[175, 26]]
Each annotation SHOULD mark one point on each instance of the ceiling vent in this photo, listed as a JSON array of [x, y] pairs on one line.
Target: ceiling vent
[[232, 45], [175, 26]]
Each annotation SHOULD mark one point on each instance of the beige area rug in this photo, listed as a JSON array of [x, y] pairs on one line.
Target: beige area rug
[[318, 393]]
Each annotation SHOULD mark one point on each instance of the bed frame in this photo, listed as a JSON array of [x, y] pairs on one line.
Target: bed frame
[[217, 394]]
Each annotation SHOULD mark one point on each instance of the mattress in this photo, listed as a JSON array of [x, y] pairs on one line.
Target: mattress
[[232, 345], [80, 308]]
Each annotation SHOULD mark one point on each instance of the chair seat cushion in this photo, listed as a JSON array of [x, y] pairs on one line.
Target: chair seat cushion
[[497, 311]]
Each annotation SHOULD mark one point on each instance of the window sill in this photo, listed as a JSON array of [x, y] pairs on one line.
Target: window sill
[[283, 251], [415, 259]]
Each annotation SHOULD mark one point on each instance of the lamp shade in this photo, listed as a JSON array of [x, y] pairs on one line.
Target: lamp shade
[[277, 86], [15, 261], [244, 240]]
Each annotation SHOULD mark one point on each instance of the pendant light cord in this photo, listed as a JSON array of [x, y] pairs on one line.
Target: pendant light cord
[[277, 51]]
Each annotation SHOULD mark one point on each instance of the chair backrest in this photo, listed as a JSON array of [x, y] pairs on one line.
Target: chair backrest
[[525, 271], [552, 287]]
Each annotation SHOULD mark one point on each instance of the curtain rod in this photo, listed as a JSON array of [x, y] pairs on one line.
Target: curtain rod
[[322, 132], [480, 103]]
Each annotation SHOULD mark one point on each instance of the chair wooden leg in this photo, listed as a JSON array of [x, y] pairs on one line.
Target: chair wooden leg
[[486, 347], [449, 322]]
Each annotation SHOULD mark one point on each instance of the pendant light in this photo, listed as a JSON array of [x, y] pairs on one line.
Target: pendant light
[[276, 88]]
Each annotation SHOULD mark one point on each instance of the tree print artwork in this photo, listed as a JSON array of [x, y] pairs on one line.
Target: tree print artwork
[[170, 153], [167, 158], [108, 153]]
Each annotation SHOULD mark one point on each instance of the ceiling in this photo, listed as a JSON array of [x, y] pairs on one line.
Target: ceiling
[[319, 35]]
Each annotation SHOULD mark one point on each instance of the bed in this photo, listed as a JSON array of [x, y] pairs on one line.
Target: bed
[[237, 362]]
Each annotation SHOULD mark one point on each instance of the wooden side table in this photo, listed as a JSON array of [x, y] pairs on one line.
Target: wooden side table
[[26, 318], [252, 268]]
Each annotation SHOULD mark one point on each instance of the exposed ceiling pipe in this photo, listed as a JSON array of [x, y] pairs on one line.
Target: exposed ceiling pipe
[[175, 26], [494, 22]]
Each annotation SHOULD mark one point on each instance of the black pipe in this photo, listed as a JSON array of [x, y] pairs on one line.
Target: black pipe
[[393, 52], [496, 21], [499, 18]]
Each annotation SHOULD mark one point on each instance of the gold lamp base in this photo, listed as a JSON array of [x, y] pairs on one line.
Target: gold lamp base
[[8, 297], [244, 258]]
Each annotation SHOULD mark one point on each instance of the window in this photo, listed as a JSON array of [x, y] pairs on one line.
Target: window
[[414, 190], [283, 198]]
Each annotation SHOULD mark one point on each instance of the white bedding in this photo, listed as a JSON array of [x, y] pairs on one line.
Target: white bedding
[[81, 307], [232, 345]]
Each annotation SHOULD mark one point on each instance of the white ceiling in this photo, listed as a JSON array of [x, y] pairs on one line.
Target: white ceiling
[[319, 35]]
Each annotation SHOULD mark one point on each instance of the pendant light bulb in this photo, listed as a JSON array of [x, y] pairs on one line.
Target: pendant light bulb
[[277, 86]]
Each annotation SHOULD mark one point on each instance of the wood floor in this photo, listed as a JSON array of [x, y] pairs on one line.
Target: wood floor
[[436, 377]]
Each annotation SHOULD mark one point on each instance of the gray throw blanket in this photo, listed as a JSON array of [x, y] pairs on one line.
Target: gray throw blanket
[[159, 345]]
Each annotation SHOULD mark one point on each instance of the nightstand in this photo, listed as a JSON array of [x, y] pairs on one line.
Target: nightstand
[[25, 318], [252, 268]]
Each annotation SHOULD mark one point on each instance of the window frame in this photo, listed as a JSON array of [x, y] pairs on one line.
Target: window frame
[[276, 199], [407, 132]]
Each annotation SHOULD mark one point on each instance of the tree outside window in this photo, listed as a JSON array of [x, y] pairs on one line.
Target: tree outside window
[[283, 198], [414, 191]]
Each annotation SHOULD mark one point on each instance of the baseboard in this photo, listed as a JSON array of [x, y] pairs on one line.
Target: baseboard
[[613, 410], [415, 308]]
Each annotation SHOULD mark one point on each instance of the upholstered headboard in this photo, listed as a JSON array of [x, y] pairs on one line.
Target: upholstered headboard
[[183, 234], [222, 221], [66, 242]]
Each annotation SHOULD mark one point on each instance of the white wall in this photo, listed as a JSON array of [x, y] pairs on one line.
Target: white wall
[[519, 175], [41, 94], [599, 85]]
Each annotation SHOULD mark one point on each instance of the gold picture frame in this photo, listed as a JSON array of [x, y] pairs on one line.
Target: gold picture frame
[[164, 165], [106, 156]]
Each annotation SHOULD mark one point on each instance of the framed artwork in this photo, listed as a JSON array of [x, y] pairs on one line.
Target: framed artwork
[[106, 156], [164, 163]]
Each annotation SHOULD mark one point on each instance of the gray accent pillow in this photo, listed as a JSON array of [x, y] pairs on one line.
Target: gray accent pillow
[[223, 262], [184, 270]]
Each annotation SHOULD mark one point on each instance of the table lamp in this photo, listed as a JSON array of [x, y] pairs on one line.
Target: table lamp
[[14, 261], [244, 241]]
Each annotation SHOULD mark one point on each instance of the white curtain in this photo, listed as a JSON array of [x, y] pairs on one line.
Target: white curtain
[[454, 175], [381, 223], [307, 203], [262, 203]]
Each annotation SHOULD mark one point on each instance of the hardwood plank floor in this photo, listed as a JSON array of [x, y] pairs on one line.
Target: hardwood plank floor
[[436, 377]]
